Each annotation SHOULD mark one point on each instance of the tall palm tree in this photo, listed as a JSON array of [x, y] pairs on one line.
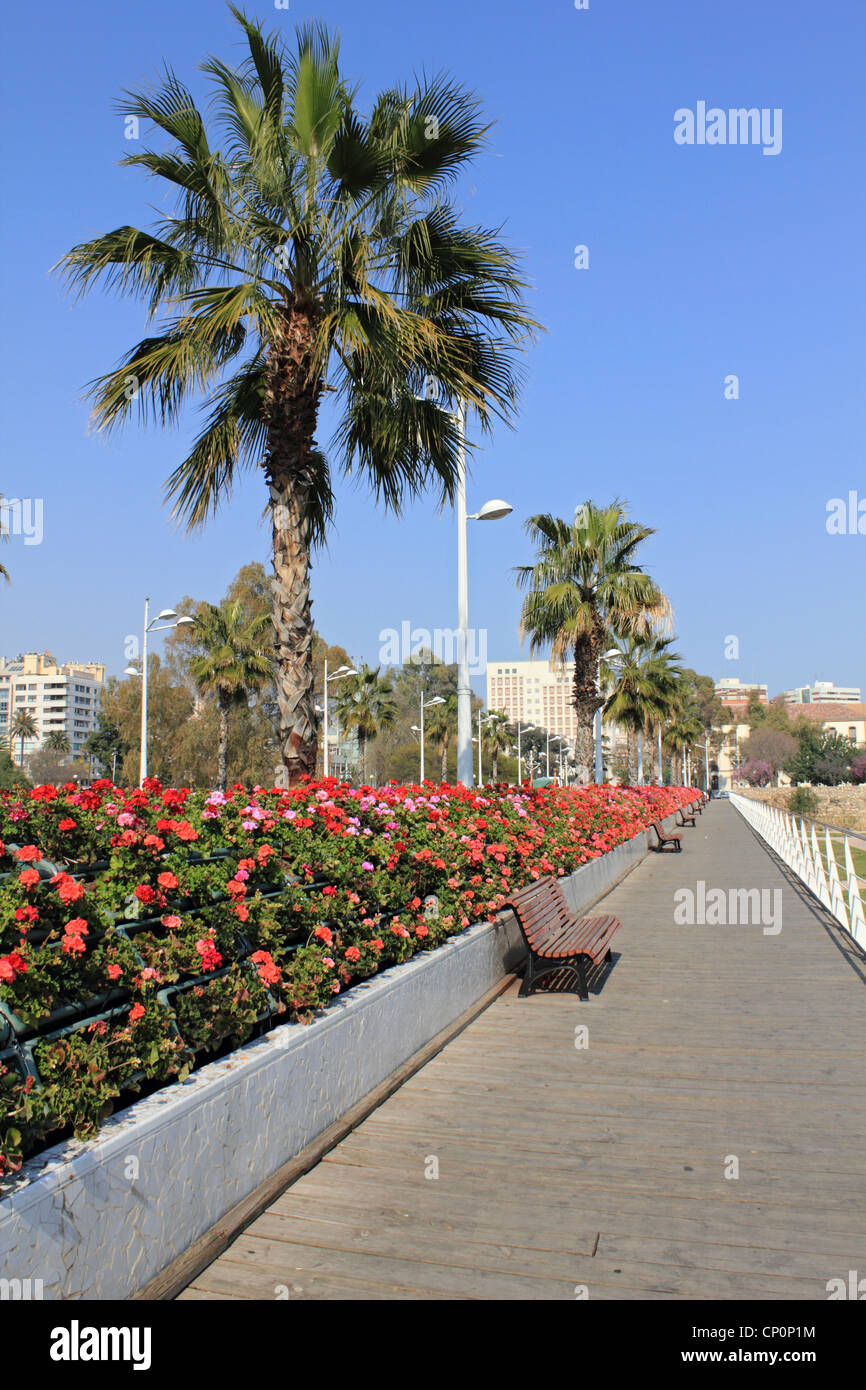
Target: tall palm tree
[[643, 687], [236, 660], [441, 724], [584, 590], [57, 741], [23, 725], [313, 249], [365, 707]]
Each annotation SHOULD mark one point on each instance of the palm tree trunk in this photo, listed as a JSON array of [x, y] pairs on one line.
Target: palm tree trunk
[[586, 697], [445, 761], [222, 745], [292, 408]]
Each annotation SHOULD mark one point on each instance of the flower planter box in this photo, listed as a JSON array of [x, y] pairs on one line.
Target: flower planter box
[[100, 1219]]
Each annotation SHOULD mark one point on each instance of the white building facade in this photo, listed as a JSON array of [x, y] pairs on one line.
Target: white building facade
[[823, 693], [61, 697]]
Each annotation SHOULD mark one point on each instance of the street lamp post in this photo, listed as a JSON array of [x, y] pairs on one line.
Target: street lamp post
[[425, 704], [659, 737], [162, 617], [609, 657], [336, 675], [557, 738], [707, 764], [528, 730], [489, 720], [491, 511]]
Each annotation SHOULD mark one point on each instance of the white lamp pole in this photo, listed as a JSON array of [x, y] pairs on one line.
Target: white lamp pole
[[425, 704], [707, 764], [337, 675], [527, 730], [609, 657], [142, 759], [491, 511], [659, 737], [640, 757], [489, 719], [167, 613], [464, 688]]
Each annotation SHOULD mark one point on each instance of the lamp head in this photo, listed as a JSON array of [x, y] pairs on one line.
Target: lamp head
[[493, 510]]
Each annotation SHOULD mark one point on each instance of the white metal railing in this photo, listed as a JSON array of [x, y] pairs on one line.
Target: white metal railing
[[798, 846]]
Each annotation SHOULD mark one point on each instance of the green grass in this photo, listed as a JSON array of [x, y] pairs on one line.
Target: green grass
[[858, 856]]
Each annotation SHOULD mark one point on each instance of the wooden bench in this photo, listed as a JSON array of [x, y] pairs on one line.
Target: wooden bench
[[663, 838], [686, 816], [555, 939]]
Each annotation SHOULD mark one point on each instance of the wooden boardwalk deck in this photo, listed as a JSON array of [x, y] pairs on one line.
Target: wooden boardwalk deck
[[561, 1168]]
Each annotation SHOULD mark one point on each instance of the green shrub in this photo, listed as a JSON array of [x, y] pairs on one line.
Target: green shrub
[[803, 802]]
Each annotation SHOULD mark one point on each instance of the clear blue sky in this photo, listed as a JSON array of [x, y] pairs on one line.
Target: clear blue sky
[[704, 261]]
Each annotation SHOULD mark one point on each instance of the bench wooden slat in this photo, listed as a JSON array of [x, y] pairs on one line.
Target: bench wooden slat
[[555, 938]]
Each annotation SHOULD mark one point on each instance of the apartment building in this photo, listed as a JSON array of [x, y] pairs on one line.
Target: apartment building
[[823, 693], [62, 697], [737, 695], [535, 692]]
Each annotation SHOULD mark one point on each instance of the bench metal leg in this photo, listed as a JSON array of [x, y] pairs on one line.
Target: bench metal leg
[[537, 968], [581, 975]]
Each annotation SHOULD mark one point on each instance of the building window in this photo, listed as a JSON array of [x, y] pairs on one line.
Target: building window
[[852, 733]]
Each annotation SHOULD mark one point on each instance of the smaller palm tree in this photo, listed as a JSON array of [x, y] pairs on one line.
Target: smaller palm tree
[[441, 724], [644, 690], [496, 738], [684, 729], [365, 707], [236, 660], [57, 741], [23, 726]]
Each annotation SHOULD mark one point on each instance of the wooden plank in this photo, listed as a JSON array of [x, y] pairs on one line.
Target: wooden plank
[[703, 1043], [180, 1272]]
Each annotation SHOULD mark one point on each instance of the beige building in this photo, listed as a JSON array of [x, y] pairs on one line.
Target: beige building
[[849, 720], [535, 692], [737, 695], [61, 697]]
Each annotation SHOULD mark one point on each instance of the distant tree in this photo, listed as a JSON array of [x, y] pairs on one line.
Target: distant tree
[[583, 590], [822, 757], [833, 763], [858, 767], [767, 744], [757, 774], [10, 775], [46, 767], [23, 726], [106, 746], [364, 707], [775, 715], [496, 738], [170, 707], [440, 725], [237, 659], [57, 741]]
